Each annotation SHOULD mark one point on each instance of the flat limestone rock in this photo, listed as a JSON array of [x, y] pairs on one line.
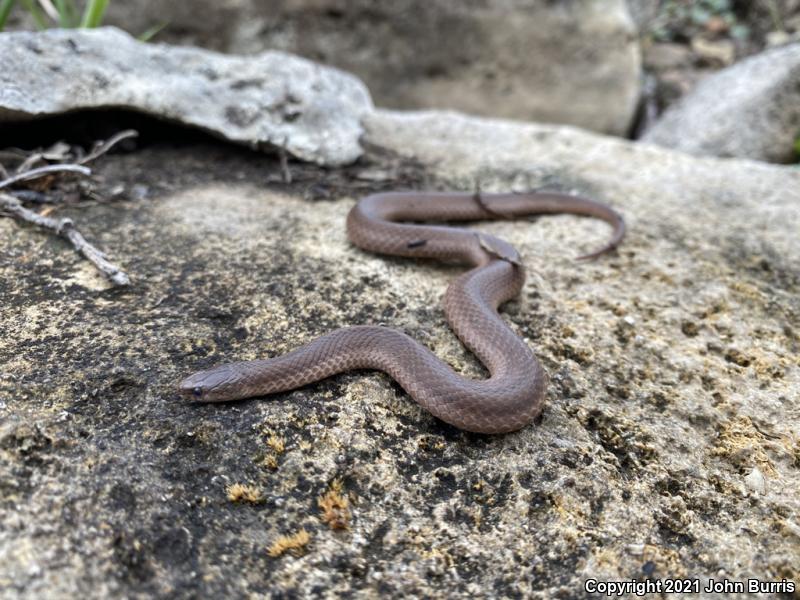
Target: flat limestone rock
[[574, 62], [749, 110], [667, 446], [271, 98]]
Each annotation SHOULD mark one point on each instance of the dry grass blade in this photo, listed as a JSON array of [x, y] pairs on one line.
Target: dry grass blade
[[41, 171]]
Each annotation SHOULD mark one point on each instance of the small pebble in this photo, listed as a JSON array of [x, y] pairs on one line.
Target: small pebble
[[756, 481]]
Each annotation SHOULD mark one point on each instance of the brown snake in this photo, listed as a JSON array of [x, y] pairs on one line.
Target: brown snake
[[514, 392]]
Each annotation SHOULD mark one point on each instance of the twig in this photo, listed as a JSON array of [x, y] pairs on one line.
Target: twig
[[57, 152], [35, 173], [28, 163], [66, 228], [104, 147], [31, 196], [13, 154], [284, 158]]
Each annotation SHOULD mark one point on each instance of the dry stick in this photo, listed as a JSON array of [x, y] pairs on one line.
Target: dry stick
[[99, 149], [66, 228], [13, 154], [108, 144], [24, 172], [41, 171], [28, 163], [58, 150], [31, 196], [55, 153]]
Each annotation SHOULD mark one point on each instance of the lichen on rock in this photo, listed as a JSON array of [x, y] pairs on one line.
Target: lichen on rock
[[641, 465]]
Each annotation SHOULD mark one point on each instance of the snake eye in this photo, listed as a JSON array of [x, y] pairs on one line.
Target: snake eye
[[197, 392]]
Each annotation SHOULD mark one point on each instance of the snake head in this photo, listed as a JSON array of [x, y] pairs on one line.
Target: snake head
[[499, 248], [207, 386]]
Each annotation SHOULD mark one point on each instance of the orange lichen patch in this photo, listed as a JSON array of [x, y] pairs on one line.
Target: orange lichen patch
[[668, 561], [740, 442], [270, 462], [747, 290], [605, 557], [477, 516], [335, 507], [566, 513], [429, 443], [440, 555], [239, 492], [277, 443], [736, 356], [294, 543]]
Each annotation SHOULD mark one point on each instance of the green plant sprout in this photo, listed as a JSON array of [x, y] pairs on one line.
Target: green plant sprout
[[63, 12]]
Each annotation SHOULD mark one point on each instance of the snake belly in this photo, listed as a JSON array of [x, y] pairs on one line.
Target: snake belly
[[388, 223]]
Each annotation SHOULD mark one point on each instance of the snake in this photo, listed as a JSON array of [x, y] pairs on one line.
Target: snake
[[419, 225]]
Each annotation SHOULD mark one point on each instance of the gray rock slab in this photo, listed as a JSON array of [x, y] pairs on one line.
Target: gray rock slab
[[575, 62], [749, 110], [270, 98], [668, 443]]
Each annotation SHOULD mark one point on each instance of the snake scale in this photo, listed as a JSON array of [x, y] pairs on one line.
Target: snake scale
[[393, 223]]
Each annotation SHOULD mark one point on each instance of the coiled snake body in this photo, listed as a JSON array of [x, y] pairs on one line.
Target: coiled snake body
[[513, 394]]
